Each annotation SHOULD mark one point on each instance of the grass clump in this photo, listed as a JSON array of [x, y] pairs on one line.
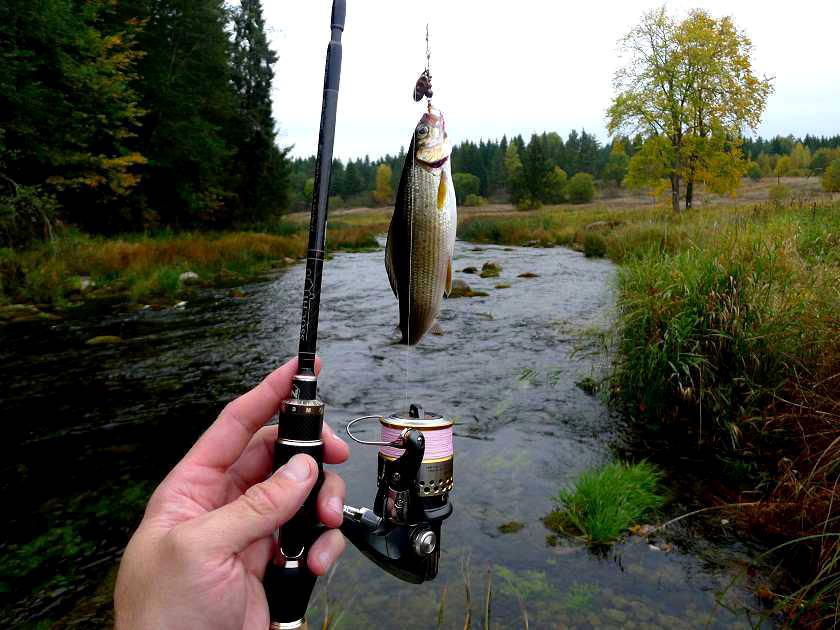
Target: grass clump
[[605, 502], [594, 245]]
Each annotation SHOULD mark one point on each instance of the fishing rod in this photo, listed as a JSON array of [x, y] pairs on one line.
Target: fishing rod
[[401, 534], [301, 418]]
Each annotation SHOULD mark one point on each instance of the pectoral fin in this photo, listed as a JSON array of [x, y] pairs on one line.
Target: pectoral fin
[[441, 196], [448, 289]]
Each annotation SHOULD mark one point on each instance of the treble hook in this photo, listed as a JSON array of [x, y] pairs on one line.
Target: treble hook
[[423, 87]]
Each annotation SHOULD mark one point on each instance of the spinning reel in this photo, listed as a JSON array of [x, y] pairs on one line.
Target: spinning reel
[[401, 533]]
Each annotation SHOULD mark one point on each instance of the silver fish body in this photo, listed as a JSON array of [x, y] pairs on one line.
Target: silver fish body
[[421, 237]]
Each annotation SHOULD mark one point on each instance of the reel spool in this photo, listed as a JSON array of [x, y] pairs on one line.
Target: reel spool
[[435, 476]]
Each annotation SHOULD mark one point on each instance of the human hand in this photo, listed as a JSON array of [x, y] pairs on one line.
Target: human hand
[[198, 558]]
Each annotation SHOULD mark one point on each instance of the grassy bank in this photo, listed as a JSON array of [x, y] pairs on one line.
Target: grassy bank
[[729, 341], [149, 268]]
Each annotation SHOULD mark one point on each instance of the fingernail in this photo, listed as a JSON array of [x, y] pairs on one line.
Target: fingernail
[[336, 506], [336, 438], [297, 468]]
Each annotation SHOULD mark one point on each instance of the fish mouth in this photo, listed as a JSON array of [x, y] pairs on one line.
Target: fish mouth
[[437, 164]]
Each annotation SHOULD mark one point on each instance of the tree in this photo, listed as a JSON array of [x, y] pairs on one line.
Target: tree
[[259, 166], [831, 177], [189, 133], [617, 164], [648, 167], [822, 158], [555, 187], [513, 172], [581, 188], [384, 192], [685, 81], [754, 171], [535, 170], [69, 112], [784, 166], [465, 184], [800, 160]]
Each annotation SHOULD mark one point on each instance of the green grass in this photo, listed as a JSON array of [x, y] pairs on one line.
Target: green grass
[[594, 245], [147, 268], [605, 502]]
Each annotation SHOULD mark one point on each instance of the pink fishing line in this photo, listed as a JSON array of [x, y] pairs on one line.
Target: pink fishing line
[[438, 443]]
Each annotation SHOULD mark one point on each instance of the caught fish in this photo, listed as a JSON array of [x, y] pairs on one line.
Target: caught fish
[[421, 237]]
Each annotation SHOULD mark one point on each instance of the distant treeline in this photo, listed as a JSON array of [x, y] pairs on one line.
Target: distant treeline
[[788, 156], [133, 114], [527, 171], [354, 182]]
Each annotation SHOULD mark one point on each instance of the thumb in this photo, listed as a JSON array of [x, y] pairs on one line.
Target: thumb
[[257, 513]]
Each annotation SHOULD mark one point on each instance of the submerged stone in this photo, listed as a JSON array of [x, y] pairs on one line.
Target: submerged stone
[[511, 528], [104, 340], [491, 270]]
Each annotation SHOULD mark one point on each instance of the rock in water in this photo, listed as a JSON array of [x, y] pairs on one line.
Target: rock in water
[[104, 340], [491, 270]]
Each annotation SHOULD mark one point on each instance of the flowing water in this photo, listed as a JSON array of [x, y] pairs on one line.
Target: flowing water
[[88, 430]]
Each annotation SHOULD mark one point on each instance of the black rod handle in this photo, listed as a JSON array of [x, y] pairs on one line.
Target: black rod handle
[[289, 585]]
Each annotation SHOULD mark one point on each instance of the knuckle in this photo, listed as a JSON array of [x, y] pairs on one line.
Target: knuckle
[[262, 499]]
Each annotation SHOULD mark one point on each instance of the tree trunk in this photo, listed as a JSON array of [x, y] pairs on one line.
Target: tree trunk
[[675, 192], [689, 193]]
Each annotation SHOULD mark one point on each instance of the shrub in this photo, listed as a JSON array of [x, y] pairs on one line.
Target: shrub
[[26, 216], [831, 177], [581, 188], [754, 171], [605, 502], [465, 184], [528, 203], [594, 245], [474, 201]]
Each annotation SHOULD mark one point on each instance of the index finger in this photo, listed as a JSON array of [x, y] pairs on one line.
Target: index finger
[[226, 439]]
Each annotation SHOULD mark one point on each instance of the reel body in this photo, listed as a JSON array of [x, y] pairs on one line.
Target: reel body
[[415, 476]]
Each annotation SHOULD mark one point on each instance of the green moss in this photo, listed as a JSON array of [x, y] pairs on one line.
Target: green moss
[[605, 502], [511, 527], [580, 597], [490, 270]]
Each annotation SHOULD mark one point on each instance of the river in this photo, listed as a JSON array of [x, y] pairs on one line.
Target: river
[[88, 430]]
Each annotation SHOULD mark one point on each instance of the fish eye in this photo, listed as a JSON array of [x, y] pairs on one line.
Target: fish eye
[[422, 130]]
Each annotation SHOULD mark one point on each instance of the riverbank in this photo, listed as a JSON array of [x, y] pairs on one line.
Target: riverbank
[[156, 268], [728, 344]]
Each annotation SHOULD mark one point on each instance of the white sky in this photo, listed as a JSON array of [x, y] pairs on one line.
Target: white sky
[[521, 66]]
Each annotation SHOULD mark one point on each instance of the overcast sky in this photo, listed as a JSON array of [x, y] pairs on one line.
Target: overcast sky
[[521, 66]]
